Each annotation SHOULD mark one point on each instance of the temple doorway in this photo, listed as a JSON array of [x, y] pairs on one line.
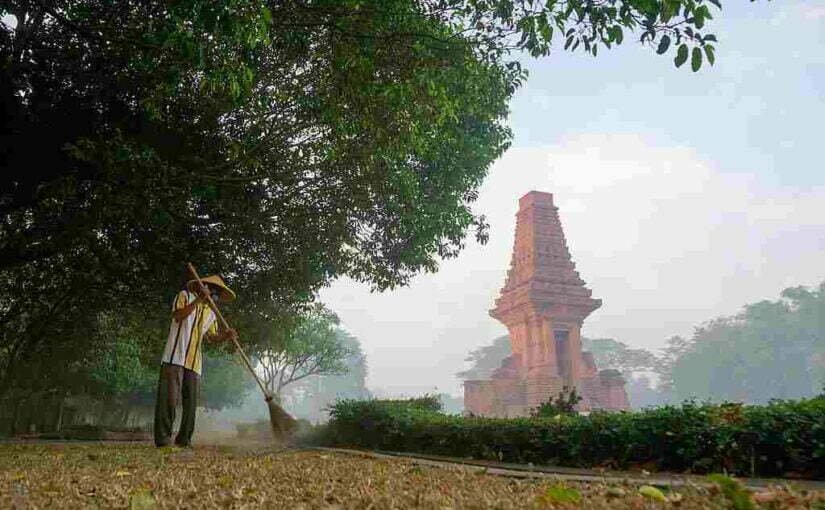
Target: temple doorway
[[563, 357]]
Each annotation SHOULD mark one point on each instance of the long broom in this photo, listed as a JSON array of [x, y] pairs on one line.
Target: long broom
[[280, 421]]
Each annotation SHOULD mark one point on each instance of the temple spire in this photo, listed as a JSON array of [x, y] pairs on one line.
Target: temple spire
[[542, 273]]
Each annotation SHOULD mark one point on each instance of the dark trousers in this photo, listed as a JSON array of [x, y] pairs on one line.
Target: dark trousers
[[176, 384]]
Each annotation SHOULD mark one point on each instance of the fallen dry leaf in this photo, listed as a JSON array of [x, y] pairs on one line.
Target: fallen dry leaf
[[653, 493], [141, 499]]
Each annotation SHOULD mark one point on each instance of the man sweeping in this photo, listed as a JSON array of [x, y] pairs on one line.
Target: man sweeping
[[192, 323]]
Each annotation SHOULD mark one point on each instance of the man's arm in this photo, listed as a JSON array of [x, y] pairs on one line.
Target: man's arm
[[183, 312]]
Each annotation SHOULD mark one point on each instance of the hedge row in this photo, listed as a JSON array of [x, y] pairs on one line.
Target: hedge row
[[782, 438]]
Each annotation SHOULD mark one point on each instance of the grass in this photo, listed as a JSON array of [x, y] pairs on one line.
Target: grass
[[138, 476]]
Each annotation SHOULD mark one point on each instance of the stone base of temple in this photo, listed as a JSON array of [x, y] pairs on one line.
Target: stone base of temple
[[539, 384], [498, 398], [516, 397], [605, 391]]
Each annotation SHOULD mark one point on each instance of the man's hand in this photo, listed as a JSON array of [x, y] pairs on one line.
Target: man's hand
[[224, 335], [230, 334]]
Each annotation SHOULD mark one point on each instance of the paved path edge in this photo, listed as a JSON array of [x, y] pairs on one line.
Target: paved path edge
[[568, 474]]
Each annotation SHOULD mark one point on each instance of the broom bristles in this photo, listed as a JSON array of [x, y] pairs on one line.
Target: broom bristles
[[281, 422]]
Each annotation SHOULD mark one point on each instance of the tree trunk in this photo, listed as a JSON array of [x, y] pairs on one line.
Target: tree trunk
[[126, 416], [16, 415], [59, 423]]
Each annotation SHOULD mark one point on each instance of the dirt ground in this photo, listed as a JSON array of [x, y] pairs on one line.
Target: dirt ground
[[138, 476]]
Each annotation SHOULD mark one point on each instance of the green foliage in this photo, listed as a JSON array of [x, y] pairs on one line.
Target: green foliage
[[224, 381], [609, 353], [534, 25], [310, 345], [451, 404], [736, 494], [120, 371], [486, 359], [350, 408], [119, 366], [563, 403], [773, 349], [311, 397], [430, 403], [560, 494], [781, 437], [653, 493], [349, 412], [635, 366]]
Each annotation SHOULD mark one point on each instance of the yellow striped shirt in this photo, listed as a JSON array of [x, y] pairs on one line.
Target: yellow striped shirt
[[183, 345]]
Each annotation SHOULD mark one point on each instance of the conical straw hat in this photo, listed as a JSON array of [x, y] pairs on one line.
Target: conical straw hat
[[213, 279]]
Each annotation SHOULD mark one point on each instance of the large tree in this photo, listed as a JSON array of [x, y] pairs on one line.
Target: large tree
[[311, 346], [636, 365], [772, 349], [311, 397], [486, 359], [610, 353], [279, 143]]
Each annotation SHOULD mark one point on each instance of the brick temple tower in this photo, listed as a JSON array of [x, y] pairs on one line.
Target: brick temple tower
[[543, 304]]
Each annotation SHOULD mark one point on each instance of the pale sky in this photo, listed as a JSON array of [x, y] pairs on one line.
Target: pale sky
[[683, 196]]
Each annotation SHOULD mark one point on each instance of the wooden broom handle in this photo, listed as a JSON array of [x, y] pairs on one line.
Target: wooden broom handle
[[225, 324]]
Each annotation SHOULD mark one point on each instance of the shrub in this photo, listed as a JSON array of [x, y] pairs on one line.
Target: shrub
[[564, 403], [782, 437]]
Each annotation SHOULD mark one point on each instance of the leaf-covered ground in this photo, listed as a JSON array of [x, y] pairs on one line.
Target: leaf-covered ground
[[139, 476]]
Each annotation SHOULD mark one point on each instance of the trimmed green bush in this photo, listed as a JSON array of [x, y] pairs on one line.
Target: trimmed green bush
[[783, 437]]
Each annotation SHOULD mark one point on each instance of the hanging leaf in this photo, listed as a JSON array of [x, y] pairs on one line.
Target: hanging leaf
[[681, 55], [696, 59], [709, 53], [664, 44]]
